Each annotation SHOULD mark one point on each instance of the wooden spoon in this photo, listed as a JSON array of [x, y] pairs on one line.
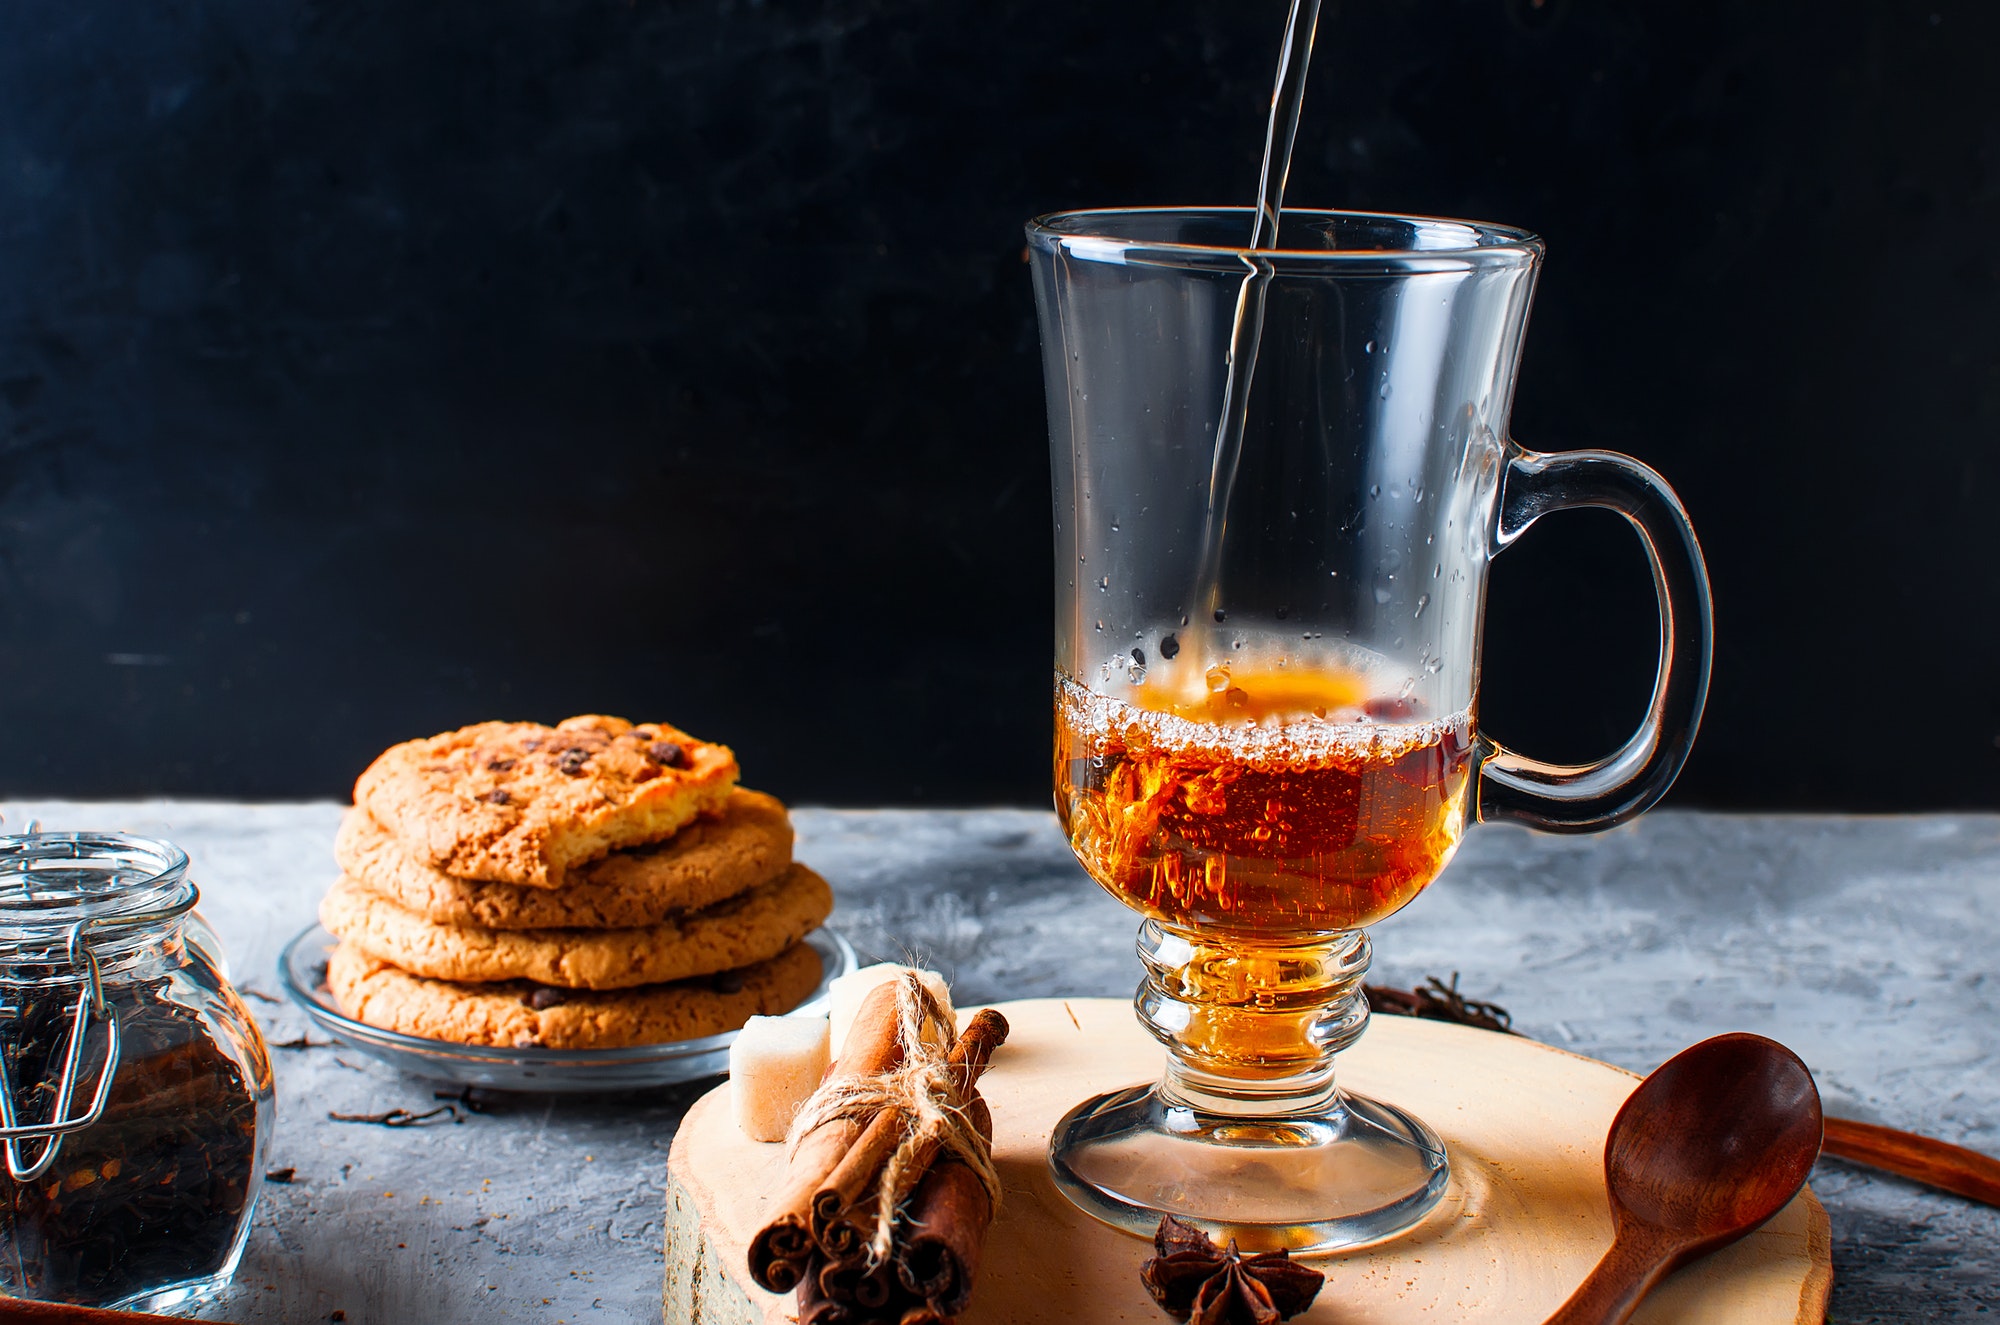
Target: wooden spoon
[[1710, 1146]]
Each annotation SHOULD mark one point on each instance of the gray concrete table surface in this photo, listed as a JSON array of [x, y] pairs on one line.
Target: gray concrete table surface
[[1867, 944]]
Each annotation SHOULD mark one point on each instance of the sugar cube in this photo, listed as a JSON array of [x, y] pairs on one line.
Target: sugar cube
[[844, 996], [774, 1064]]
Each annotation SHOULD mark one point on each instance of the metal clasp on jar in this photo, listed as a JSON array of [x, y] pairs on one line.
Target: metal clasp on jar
[[90, 1003]]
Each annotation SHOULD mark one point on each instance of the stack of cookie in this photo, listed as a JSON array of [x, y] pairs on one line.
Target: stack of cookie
[[586, 885]]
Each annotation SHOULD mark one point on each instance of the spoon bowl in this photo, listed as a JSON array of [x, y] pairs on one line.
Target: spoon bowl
[[1707, 1149]]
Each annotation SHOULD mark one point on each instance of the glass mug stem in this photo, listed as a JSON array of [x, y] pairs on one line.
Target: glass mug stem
[[1252, 1029], [1247, 1134]]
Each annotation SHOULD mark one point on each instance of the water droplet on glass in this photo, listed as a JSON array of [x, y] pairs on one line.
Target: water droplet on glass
[[1100, 627], [1437, 570], [1369, 348], [1384, 392], [1104, 585], [1114, 526], [1382, 595], [1221, 615], [1169, 646], [1429, 539], [1217, 677], [1423, 601], [1236, 644], [1434, 666], [1409, 688], [1374, 489]]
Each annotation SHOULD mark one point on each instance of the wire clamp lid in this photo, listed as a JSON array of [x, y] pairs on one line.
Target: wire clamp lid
[[90, 1002]]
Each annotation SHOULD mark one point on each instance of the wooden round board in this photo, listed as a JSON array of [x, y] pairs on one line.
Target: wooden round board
[[1525, 1218]]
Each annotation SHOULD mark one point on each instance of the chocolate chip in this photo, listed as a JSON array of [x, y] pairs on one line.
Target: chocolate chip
[[497, 796], [543, 998], [729, 982], [668, 754], [572, 761], [499, 765], [1169, 647]]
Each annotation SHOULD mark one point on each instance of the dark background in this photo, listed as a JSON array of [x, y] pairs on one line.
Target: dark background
[[368, 368]]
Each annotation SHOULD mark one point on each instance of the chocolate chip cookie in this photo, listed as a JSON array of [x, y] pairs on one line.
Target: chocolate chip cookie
[[519, 1014], [747, 843], [747, 928], [521, 803]]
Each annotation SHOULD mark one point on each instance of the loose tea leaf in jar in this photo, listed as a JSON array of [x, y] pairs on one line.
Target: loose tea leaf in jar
[[153, 1193]]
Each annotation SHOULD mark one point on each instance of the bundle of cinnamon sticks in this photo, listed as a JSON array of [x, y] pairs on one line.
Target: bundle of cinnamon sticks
[[890, 1187]]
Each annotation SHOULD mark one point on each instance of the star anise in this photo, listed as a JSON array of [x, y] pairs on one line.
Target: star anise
[[1199, 1282]]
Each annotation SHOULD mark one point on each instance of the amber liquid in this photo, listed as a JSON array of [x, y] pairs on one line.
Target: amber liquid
[[1271, 804]]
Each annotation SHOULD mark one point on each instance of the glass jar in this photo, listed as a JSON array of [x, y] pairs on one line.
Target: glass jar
[[135, 1088]]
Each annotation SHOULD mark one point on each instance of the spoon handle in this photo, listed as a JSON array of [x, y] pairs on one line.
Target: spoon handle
[[1627, 1273], [1936, 1164]]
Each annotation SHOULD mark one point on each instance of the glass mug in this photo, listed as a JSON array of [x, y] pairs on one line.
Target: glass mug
[[1267, 668]]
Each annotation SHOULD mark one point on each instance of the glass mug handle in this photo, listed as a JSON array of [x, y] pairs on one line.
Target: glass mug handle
[[1585, 798]]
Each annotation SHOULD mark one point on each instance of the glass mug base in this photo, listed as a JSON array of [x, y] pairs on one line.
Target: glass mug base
[[1354, 1171]]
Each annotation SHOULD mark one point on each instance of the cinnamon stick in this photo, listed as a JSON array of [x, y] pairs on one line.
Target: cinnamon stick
[[968, 1058], [973, 1050], [855, 1173], [949, 1214], [1936, 1164], [816, 1308], [781, 1252], [851, 1279]]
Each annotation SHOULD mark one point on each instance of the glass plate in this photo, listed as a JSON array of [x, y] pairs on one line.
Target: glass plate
[[302, 970]]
